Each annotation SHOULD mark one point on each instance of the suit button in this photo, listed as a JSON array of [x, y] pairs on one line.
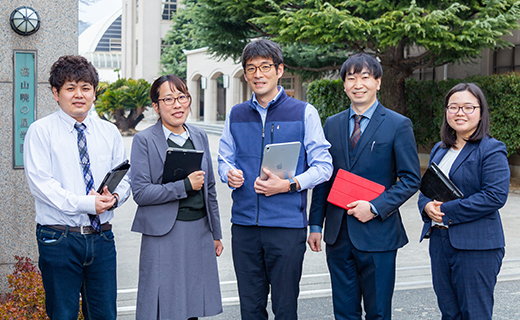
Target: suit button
[[450, 221]]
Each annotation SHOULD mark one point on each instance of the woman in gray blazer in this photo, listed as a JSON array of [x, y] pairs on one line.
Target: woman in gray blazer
[[179, 221]]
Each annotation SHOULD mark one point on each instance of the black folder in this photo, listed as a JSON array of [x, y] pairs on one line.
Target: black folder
[[437, 186], [114, 176], [180, 163]]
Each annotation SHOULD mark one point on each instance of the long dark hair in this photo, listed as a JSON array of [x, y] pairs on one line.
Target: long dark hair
[[448, 135]]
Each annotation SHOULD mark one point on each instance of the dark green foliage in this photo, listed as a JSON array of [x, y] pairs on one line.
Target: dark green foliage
[[425, 101], [328, 97], [123, 102]]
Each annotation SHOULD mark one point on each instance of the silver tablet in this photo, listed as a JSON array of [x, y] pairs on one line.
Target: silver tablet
[[281, 159]]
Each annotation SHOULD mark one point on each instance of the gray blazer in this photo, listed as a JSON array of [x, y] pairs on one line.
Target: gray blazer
[[158, 203]]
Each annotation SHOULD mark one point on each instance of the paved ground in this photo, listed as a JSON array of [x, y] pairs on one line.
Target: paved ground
[[413, 299]]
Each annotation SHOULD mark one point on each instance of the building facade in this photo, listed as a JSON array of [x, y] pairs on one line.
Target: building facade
[[144, 25]]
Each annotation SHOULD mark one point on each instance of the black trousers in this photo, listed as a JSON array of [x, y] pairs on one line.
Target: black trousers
[[268, 258]]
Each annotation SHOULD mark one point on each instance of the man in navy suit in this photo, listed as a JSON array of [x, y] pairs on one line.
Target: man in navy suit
[[377, 144]]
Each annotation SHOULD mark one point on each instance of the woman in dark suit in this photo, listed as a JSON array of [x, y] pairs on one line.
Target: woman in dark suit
[[466, 236], [179, 221]]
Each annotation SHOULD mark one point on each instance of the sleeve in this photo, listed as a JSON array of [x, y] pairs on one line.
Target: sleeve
[[146, 191], [319, 199], [317, 149], [226, 150], [212, 195], [118, 156], [423, 200], [40, 178], [493, 191], [407, 168]]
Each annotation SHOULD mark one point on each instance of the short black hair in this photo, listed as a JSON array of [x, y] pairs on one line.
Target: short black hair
[[72, 68], [359, 61], [174, 81], [448, 135], [262, 48]]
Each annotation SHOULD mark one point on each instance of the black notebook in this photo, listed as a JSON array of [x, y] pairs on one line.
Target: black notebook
[[114, 176], [180, 163], [437, 186]]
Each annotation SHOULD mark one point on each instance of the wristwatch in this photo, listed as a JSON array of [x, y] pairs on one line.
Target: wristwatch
[[292, 185]]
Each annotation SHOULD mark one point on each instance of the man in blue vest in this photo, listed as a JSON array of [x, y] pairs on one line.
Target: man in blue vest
[[269, 217]]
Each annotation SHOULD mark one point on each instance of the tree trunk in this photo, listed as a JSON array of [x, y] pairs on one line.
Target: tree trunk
[[392, 90]]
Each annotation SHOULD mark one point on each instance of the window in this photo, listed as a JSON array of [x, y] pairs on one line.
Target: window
[[506, 60], [168, 9], [136, 52], [288, 85], [136, 11], [164, 45]]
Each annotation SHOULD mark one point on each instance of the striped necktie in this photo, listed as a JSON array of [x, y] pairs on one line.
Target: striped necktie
[[356, 134], [85, 165]]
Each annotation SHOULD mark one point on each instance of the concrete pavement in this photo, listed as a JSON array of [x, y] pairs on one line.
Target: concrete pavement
[[413, 264]]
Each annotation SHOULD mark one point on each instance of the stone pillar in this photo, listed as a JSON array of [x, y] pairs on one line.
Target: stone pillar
[[57, 36]]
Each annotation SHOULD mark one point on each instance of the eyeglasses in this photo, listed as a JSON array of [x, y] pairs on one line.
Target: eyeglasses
[[264, 68], [170, 100], [467, 108]]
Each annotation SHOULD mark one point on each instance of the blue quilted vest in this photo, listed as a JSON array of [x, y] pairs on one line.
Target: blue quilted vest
[[284, 123]]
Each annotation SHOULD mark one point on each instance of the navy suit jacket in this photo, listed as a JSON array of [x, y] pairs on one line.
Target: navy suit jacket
[[385, 152], [481, 172], [158, 203]]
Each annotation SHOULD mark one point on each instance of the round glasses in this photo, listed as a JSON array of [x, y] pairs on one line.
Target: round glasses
[[183, 99], [264, 68], [467, 108]]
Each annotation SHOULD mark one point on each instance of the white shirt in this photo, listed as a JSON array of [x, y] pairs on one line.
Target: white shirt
[[445, 166], [54, 173]]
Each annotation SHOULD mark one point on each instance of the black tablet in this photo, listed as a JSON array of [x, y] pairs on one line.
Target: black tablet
[[180, 163]]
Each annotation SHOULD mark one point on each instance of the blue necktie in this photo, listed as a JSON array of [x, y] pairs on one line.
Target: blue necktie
[[85, 164], [356, 134]]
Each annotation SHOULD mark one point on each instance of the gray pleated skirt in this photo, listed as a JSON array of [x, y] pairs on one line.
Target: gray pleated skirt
[[178, 274]]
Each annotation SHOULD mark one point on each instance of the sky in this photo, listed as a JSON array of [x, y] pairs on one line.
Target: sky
[[99, 10]]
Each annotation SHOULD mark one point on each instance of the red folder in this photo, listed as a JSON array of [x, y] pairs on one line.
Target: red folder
[[348, 187]]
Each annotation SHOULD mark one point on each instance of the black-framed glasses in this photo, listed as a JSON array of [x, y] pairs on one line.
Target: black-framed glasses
[[264, 68], [183, 99], [467, 108]]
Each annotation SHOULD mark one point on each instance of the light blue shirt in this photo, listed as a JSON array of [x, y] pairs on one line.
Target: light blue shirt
[[179, 139], [363, 123], [317, 147]]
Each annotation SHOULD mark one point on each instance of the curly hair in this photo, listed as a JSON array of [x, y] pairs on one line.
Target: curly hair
[[72, 68]]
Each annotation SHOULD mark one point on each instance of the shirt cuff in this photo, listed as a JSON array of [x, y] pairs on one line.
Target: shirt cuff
[[374, 210], [87, 204], [315, 228]]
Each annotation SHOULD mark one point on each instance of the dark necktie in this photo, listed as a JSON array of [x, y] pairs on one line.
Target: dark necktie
[[356, 134], [85, 165]]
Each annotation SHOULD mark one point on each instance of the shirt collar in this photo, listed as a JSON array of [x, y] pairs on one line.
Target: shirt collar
[[70, 121], [257, 105], [368, 114], [167, 132]]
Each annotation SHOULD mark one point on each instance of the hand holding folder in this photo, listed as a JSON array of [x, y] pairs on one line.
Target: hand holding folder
[[114, 176], [349, 187], [437, 186]]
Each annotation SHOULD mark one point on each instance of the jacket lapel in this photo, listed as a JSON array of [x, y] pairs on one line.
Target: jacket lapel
[[464, 153], [366, 137], [343, 134], [159, 141]]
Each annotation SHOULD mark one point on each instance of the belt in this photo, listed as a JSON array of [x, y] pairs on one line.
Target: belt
[[83, 229], [441, 227]]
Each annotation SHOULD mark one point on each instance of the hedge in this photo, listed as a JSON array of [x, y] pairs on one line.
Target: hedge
[[425, 100]]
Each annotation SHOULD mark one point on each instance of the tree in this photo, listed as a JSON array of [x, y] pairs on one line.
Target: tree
[[177, 39], [317, 35], [124, 101]]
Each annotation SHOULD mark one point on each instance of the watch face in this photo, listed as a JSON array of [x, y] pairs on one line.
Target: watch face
[[293, 186]]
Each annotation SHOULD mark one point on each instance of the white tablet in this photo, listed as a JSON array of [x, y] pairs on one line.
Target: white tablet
[[281, 159]]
